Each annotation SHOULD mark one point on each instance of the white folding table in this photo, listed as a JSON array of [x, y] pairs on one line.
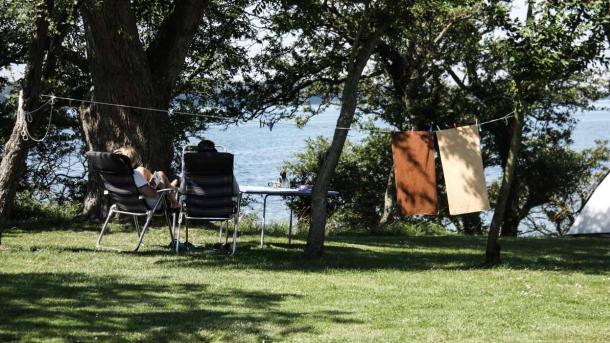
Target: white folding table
[[269, 191]]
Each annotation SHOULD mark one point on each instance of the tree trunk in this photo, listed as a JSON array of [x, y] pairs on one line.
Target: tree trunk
[[315, 238], [492, 253], [16, 149], [123, 72], [11, 168], [512, 217], [389, 202], [94, 206]]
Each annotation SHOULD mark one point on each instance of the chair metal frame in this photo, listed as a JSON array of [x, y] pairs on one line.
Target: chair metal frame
[[183, 215], [149, 216], [139, 208]]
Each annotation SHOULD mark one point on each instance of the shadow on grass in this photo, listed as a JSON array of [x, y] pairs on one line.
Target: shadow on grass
[[77, 306], [360, 252], [590, 255]]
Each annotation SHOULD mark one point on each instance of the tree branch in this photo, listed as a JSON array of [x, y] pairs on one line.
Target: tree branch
[[168, 49], [74, 58]]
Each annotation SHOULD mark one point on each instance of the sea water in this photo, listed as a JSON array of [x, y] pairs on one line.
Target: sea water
[[261, 152]]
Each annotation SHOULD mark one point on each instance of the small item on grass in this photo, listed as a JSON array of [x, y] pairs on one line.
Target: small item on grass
[[221, 247], [187, 246]]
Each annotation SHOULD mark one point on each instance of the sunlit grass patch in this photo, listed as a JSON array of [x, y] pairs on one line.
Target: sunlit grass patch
[[56, 287]]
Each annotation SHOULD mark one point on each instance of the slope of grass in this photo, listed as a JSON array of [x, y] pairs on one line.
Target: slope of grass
[[54, 286]]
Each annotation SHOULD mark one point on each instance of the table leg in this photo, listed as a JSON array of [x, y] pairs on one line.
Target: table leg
[[290, 228], [264, 220]]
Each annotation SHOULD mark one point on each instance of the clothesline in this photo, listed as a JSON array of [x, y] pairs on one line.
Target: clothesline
[[505, 117], [52, 98], [170, 111]]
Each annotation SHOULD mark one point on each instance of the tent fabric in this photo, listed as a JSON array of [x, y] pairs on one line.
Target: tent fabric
[[414, 172], [594, 218], [460, 151]]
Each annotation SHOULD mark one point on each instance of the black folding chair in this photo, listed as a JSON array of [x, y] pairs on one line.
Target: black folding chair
[[207, 192], [116, 173]]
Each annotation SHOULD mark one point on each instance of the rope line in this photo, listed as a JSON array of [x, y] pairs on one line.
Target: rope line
[[26, 117], [170, 111], [136, 107]]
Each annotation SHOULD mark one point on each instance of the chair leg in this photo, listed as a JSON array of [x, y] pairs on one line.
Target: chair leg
[[186, 230], [99, 238], [226, 232], [236, 225], [169, 226], [220, 233], [146, 225], [180, 217], [137, 224]]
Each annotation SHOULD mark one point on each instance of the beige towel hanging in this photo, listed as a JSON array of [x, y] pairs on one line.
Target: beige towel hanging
[[460, 150], [414, 173]]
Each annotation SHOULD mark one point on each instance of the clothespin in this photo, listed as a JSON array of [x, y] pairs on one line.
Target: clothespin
[[454, 125], [430, 129], [271, 126], [476, 123], [170, 112], [412, 128], [438, 128], [52, 99]]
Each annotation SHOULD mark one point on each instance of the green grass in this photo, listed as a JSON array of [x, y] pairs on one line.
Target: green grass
[[54, 286]]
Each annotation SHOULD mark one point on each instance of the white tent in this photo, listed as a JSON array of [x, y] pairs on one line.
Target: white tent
[[594, 218]]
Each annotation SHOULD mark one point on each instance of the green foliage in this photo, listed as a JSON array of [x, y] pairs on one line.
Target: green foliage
[[413, 228], [553, 182], [56, 170], [360, 178], [29, 209]]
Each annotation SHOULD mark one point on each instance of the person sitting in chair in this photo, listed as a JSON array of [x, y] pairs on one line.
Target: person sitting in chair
[[146, 181], [206, 145]]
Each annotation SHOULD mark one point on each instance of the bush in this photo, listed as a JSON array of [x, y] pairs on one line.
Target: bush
[[360, 178], [27, 208], [422, 228]]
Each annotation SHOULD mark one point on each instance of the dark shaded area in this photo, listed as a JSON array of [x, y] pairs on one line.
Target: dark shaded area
[[97, 307], [587, 255], [364, 251]]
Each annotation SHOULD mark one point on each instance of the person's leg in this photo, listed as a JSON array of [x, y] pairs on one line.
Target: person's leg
[[166, 184], [145, 172]]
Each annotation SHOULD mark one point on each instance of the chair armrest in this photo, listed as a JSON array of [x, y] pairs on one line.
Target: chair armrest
[[164, 190]]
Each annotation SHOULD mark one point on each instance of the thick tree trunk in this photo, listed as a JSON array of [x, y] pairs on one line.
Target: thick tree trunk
[[16, 149], [492, 253], [123, 72], [94, 206], [315, 238], [389, 201], [11, 169]]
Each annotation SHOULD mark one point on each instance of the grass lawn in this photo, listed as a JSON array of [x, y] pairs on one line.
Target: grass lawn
[[54, 286]]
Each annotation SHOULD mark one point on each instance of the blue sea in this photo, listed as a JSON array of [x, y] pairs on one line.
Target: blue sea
[[261, 152]]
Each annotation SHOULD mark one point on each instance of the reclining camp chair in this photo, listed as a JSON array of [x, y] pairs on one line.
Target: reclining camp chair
[[207, 192], [116, 173]]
